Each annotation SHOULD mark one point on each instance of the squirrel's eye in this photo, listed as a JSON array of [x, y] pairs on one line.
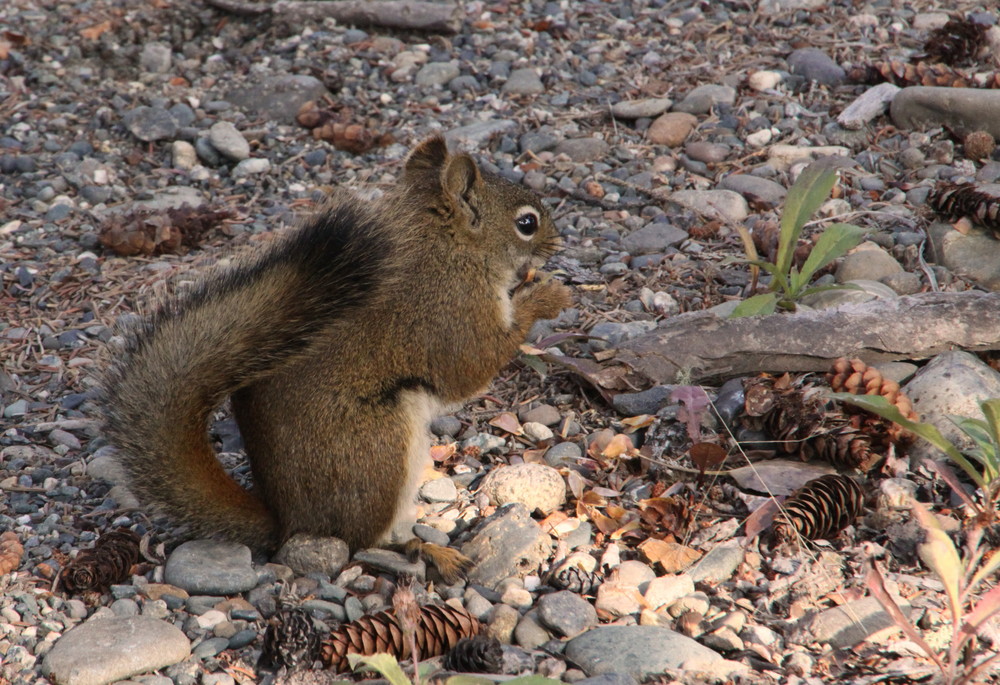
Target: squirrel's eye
[[527, 223]]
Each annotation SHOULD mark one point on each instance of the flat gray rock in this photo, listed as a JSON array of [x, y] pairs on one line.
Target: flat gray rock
[[870, 104], [653, 238], [815, 65], [845, 626], [975, 255], [277, 97], [755, 186], [478, 134], [718, 565], [305, 553], [508, 543], [717, 204], [962, 109], [109, 649], [566, 613], [636, 650], [702, 99], [210, 567], [639, 109]]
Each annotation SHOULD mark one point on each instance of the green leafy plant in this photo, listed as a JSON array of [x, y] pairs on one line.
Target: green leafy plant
[[788, 283], [981, 465], [959, 661]]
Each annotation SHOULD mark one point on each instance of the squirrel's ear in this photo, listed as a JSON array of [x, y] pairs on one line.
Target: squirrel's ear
[[430, 155], [460, 177]]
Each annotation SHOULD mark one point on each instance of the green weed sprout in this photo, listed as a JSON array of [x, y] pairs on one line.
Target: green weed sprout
[[788, 283]]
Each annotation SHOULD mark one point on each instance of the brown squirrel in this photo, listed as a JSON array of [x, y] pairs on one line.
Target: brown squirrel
[[338, 343]]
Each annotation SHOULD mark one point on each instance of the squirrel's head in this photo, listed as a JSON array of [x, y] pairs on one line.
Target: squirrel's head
[[484, 212]]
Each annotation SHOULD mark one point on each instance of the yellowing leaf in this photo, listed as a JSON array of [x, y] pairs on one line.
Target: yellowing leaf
[[672, 556], [507, 422], [96, 31], [443, 452], [620, 447], [941, 557], [640, 421]]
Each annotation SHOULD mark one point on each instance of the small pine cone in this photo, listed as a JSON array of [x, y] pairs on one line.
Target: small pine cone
[[438, 629], [845, 447], [480, 654], [290, 641], [819, 509], [857, 378], [109, 561], [956, 200], [576, 580]]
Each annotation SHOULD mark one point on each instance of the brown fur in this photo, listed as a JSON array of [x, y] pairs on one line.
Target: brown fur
[[337, 345]]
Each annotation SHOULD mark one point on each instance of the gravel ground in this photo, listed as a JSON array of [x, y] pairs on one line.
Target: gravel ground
[[651, 128]]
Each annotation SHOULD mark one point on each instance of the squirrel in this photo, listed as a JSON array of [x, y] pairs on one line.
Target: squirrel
[[337, 343]]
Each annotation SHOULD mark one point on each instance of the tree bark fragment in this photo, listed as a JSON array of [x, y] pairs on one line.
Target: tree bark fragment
[[699, 347]]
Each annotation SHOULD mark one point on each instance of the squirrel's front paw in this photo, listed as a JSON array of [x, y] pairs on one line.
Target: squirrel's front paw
[[545, 299]]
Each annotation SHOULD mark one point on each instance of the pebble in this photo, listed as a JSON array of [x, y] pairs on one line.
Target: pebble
[[844, 626], [536, 486], [183, 155], [716, 204], [704, 151], [867, 261], [276, 97], [566, 614], [563, 454], [755, 187], [815, 65], [765, 79], [155, 58], [782, 156], [583, 149], [718, 565], [961, 109], [639, 651], [530, 633], [109, 649], [951, 384], [210, 567], [646, 402], [974, 255], [507, 544], [251, 167], [666, 590], [608, 334], [437, 73], [523, 82], [305, 554], [639, 109], [545, 414], [653, 238], [701, 99], [228, 141], [150, 124], [671, 129], [870, 104], [474, 136]]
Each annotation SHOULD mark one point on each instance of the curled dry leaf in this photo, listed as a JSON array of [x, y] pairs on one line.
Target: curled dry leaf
[[507, 422], [147, 232], [672, 556], [11, 552]]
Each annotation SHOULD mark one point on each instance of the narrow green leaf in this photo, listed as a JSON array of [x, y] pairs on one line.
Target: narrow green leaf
[[880, 406], [940, 556], [809, 191], [832, 286], [535, 364], [385, 664], [991, 410], [766, 266], [833, 243], [533, 680], [758, 305]]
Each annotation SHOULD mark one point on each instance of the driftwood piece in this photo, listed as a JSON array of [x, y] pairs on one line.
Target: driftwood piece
[[408, 15], [700, 347]]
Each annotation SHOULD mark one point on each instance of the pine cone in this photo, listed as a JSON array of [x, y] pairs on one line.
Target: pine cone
[[789, 410], [857, 378], [819, 509], [439, 629], [290, 641], [479, 654], [109, 561], [905, 74], [958, 41], [576, 580], [957, 200]]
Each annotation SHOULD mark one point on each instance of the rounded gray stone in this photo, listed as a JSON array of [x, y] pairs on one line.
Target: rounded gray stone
[[653, 238], [228, 141], [210, 567], [870, 262], [277, 98], [636, 650], [437, 73], [150, 123], [718, 565], [305, 553], [108, 649], [701, 99], [760, 188], [962, 109], [523, 82], [566, 613], [537, 486], [815, 65], [639, 109], [583, 149]]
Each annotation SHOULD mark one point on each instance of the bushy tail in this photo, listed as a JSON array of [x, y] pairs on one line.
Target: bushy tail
[[194, 350]]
